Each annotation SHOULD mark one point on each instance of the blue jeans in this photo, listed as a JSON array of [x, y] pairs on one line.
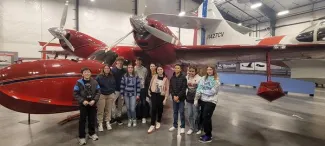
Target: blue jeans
[[130, 102], [193, 116], [179, 107]]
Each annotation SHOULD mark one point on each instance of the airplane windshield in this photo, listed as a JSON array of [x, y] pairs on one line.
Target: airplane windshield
[[321, 32], [108, 57]]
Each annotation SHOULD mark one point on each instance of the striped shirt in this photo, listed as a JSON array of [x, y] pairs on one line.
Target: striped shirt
[[130, 86]]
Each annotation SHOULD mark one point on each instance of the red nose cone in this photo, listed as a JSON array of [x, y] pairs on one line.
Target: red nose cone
[[270, 91]]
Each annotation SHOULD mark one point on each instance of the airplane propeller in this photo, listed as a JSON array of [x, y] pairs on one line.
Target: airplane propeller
[[59, 32]]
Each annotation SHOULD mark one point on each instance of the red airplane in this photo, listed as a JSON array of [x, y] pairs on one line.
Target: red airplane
[[45, 86]]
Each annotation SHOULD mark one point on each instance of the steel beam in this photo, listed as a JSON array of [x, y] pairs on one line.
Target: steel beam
[[77, 15], [242, 11]]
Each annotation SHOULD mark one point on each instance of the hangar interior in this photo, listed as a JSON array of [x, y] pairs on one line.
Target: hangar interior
[[240, 118]]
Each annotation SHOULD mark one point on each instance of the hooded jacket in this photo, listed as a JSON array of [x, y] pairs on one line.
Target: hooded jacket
[[178, 85], [81, 93], [208, 90]]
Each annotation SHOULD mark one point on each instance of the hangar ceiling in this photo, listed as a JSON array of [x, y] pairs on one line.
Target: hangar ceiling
[[240, 10]]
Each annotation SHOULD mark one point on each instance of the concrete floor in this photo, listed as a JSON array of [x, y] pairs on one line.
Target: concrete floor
[[240, 119]]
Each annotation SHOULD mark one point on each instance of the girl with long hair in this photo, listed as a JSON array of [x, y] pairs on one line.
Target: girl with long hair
[[105, 103], [207, 91], [130, 91], [159, 92], [193, 111]]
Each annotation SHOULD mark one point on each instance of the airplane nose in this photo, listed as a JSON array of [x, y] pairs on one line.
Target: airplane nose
[[56, 32], [138, 23]]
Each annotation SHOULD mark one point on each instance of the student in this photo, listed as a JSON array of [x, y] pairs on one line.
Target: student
[[193, 111], [178, 85], [105, 103], [142, 72], [118, 72], [86, 92], [130, 92], [151, 73], [207, 91], [159, 92]]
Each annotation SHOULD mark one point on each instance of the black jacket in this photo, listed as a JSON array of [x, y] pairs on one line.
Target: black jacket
[[81, 93], [107, 84], [118, 74], [178, 86]]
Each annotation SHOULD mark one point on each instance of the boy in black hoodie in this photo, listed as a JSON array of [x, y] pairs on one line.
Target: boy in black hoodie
[[178, 85]]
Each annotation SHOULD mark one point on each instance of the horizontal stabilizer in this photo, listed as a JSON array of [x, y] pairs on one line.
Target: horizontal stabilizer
[[188, 22], [241, 29]]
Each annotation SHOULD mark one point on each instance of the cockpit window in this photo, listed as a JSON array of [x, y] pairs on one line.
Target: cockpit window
[[108, 57], [306, 36], [310, 28]]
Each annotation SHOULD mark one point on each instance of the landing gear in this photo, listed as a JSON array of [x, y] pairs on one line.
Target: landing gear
[[270, 90]]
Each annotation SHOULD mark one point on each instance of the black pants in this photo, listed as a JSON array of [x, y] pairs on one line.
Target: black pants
[[207, 111], [87, 112], [144, 108], [200, 122], [156, 107]]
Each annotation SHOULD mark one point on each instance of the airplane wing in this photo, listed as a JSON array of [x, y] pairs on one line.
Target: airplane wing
[[241, 29], [211, 54], [188, 22]]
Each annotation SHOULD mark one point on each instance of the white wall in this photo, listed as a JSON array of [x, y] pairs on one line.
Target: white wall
[[25, 22], [106, 20]]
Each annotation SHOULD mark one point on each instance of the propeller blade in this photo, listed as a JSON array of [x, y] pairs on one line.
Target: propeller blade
[[161, 35], [48, 42], [64, 15], [68, 43], [118, 41]]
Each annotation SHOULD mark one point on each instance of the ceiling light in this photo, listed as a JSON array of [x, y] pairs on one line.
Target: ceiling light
[[283, 12], [92, 0], [181, 13], [256, 5], [239, 24]]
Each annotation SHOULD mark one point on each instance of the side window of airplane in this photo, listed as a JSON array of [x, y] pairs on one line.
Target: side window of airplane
[[321, 32]]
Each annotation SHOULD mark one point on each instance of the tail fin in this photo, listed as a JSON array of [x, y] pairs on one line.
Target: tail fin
[[221, 33]]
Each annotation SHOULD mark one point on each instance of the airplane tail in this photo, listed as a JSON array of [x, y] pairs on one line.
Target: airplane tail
[[223, 33]]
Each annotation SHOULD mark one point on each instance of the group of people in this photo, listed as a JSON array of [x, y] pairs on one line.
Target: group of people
[[98, 97]]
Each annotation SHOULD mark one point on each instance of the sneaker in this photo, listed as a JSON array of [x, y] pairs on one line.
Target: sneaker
[[94, 137], [182, 130], [119, 122], [201, 137], [130, 123], [100, 127], [134, 123], [199, 132], [144, 120], [189, 131], [113, 121], [82, 141], [157, 125], [206, 139], [172, 128], [108, 126], [151, 129]]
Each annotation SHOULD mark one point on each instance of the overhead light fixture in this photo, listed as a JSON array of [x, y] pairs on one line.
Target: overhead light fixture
[[181, 13], [283, 12], [92, 0], [256, 5], [239, 24]]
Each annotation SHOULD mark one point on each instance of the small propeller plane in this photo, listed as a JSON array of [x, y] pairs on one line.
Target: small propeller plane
[[45, 86]]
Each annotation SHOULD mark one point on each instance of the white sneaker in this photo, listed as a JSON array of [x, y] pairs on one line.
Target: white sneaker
[[151, 129], [189, 131], [144, 120], [182, 130], [100, 127], [198, 132], [157, 125], [172, 128], [130, 123], [82, 141], [134, 123], [94, 137], [108, 126]]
